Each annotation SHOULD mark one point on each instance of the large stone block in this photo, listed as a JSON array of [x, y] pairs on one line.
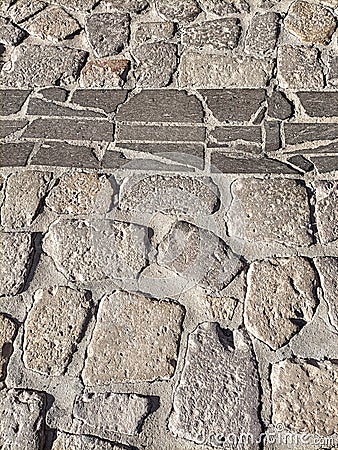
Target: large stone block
[[38, 107], [297, 133], [224, 7], [15, 154], [24, 9], [262, 35], [7, 333], [327, 211], [125, 6], [8, 127]]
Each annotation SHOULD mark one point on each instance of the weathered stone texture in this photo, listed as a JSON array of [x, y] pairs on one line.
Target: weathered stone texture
[[218, 390], [222, 163], [142, 326], [104, 73], [76, 4], [219, 34], [327, 211], [21, 419], [178, 10], [66, 441], [319, 104], [7, 334], [10, 34], [305, 396], [126, 6], [54, 94], [224, 7], [15, 155], [108, 100], [262, 34], [11, 101], [65, 155], [24, 9], [273, 140], [8, 127], [325, 164], [328, 269], [38, 107], [234, 133], [296, 133], [153, 31], [279, 107], [159, 133], [287, 302]]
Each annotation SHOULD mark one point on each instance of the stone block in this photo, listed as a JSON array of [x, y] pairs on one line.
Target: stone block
[[125, 6], [14, 155], [24, 9], [104, 73], [38, 107], [10, 34], [262, 35], [65, 441], [108, 100], [224, 7], [325, 164], [319, 104], [11, 101], [8, 127], [223, 163], [54, 94], [328, 270], [297, 133], [326, 210], [279, 107], [178, 10], [65, 155], [159, 133], [7, 334], [153, 31], [235, 133], [273, 141]]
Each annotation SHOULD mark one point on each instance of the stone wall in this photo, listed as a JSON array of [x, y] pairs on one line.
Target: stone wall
[[168, 255]]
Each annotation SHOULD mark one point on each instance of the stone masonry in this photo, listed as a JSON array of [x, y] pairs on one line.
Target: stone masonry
[[168, 224]]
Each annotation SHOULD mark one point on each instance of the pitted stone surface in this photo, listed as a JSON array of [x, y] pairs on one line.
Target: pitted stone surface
[[66, 441], [259, 211], [7, 334], [141, 326], [223, 7], [21, 419], [153, 31], [305, 396], [219, 34], [262, 35], [287, 302], [178, 10], [328, 270], [9, 33], [126, 6], [327, 211], [104, 73], [54, 326], [24, 9], [218, 390]]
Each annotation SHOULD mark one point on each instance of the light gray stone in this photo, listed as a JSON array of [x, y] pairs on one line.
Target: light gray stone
[[24, 9], [65, 441], [327, 211], [262, 34], [125, 6], [104, 73], [153, 31], [78, 5], [7, 333], [178, 10], [218, 391], [328, 270], [10, 34], [142, 326], [224, 7]]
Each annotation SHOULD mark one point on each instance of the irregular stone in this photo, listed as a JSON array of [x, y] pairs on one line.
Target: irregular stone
[[297, 133], [65, 441], [302, 163], [223, 7], [41, 65], [106, 414], [328, 270], [262, 35], [292, 381], [53, 328], [153, 31], [311, 22], [287, 302], [234, 133], [11, 101], [22, 421], [38, 107], [24, 193], [141, 326], [275, 210], [104, 73], [325, 164], [199, 256], [108, 100], [319, 104], [24, 9], [55, 94], [178, 10], [103, 41], [273, 141], [125, 6], [15, 155], [65, 155], [332, 76], [114, 160], [223, 163], [212, 71], [219, 34], [327, 211], [7, 334], [299, 68], [10, 34], [218, 393], [8, 127], [157, 63], [159, 133], [97, 249], [53, 23], [279, 107], [15, 251]]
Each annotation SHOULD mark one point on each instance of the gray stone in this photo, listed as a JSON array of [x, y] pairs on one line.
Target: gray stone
[[14, 155], [126, 6], [53, 328], [10, 34], [218, 392], [43, 65], [279, 107], [219, 34], [224, 7], [65, 155], [104, 41], [142, 326], [301, 162], [7, 334], [161, 106], [328, 270], [114, 160], [297, 133], [333, 71], [275, 210], [287, 302], [327, 211], [234, 133], [159, 133], [96, 250], [273, 140], [21, 419], [8, 127], [178, 10], [79, 5], [24, 9], [108, 100], [262, 35], [294, 408], [54, 94], [157, 63], [38, 107], [319, 104], [24, 194], [11, 101], [105, 73], [325, 164], [153, 31], [15, 252], [223, 163], [65, 441]]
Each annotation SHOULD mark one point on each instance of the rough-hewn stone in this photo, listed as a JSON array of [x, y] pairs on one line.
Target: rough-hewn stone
[[65, 155], [126, 6], [24, 9], [328, 270], [327, 211], [108, 100], [218, 390], [66, 441], [305, 396], [279, 107], [104, 73], [296, 133], [319, 104], [7, 334], [224, 7], [270, 210], [15, 154], [178, 10], [11, 101], [8, 127], [10, 34], [262, 34], [219, 34], [142, 326], [153, 31]]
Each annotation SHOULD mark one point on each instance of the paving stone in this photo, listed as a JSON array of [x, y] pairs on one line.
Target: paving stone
[[325, 164], [66, 441], [236, 105], [8, 127], [53, 23], [299, 68], [15, 154], [38, 107], [222, 163], [218, 391], [161, 106], [65, 155], [178, 10], [53, 328], [22, 423], [100, 37], [43, 65], [158, 133], [199, 256], [312, 23], [126, 6], [301, 162], [327, 211], [157, 63], [11, 101], [224, 7], [297, 133], [234, 133], [24, 194], [292, 381], [15, 252], [70, 129], [273, 140], [142, 326], [7, 334], [10, 34], [328, 270], [55, 94], [96, 250], [287, 302], [219, 34], [105, 73], [108, 100], [24, 9], [319, 104], [262, 35], [279, 107], [211, 71], [270, 210], [153, 31]]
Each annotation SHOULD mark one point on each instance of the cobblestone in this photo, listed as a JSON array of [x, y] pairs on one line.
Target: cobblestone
[[24, 9]]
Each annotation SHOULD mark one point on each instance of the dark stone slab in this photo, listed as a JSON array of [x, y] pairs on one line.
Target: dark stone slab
[[106, 99], [55, 94], [226, 164], [11, 101], [273, 138], [114, 160], [301, 162], [331, 148], [162, 106], [71, 129], [8, 127], [236, 105], [296, 133], [325, 164], [39, 107], [279, 107], [15, 154], [234, 133], [319, 104], [65, 155], [160, 133]]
